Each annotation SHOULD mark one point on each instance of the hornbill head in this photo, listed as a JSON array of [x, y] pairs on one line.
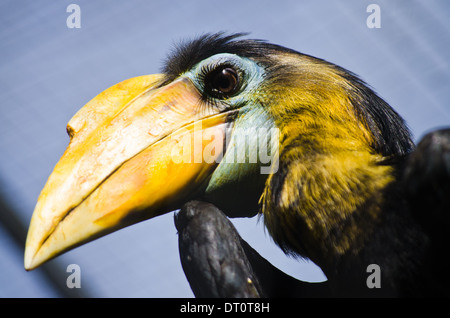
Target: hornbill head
[[247, 125]]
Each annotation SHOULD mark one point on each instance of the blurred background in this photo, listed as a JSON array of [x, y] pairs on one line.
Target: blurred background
[[48, 71]]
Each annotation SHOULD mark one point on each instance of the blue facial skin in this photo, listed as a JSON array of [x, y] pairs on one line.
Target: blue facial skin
[[250, 73], [238, 165]]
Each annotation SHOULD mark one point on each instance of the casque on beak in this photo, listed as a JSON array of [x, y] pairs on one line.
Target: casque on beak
[[134, 154]]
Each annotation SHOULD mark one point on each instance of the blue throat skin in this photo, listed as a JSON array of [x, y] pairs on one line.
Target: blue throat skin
[[326, 162], [239, 176]]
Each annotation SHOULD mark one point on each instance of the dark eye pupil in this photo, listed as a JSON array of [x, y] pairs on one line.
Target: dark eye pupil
[[224, 81]]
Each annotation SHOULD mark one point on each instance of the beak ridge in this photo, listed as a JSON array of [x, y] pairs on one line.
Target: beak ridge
[[118, 168]]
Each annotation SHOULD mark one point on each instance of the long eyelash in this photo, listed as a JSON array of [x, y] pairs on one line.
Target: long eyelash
[[205, 70], [209, 101], [206, 99]]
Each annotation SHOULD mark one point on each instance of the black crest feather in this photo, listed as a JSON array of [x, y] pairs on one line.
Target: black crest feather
[[392, 137], [189, 53]]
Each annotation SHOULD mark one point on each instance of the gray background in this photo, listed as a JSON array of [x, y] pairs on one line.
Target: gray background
[[48, 71]]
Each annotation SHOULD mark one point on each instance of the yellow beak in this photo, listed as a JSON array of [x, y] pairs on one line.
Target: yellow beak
[[137, 150]]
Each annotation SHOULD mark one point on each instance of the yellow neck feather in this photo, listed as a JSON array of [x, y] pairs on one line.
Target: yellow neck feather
[[316, 206], [329, 177]]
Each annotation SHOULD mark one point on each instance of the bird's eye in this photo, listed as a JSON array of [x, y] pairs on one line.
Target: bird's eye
[[222, 82]]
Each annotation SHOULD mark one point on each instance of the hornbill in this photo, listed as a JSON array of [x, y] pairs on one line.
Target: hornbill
[[257, 128]]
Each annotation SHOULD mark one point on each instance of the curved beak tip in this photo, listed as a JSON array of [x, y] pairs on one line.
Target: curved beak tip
[[114, 171], [30, 260]]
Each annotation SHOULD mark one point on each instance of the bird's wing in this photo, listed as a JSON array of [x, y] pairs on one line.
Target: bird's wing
[[427, 183]]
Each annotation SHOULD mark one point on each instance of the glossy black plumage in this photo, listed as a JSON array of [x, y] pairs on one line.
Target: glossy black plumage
[[409, 237], [393, 136], [422, 189]]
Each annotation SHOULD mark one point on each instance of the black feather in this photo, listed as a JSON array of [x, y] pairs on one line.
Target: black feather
[[189, 53], [392, 138]]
